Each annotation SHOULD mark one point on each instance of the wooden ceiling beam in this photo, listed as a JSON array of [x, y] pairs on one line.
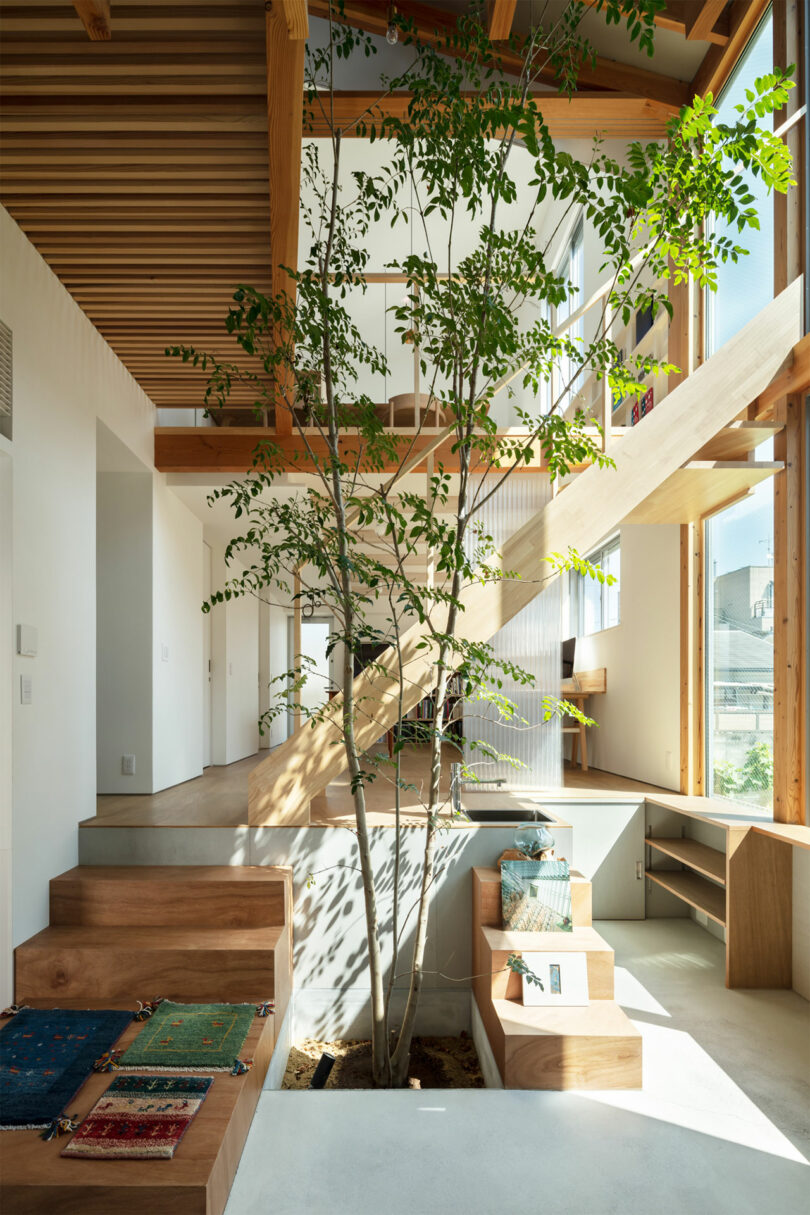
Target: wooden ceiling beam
[[622, 115], [675, 14], [720, 61], [500, 15], [700, 19], [434, 26], [95, 17]]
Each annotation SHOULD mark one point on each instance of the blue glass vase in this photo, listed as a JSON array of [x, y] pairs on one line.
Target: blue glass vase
[[532, 839]]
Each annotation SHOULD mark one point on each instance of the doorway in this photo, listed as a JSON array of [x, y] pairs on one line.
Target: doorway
[[314, 644]]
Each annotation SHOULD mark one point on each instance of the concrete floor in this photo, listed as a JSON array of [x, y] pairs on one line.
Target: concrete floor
[[722, 1123]]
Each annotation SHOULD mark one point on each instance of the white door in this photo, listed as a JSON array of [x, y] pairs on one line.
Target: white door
[[206, 658]]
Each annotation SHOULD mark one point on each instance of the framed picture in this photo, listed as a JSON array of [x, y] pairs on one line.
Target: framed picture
[[536, 896], [562, 979]]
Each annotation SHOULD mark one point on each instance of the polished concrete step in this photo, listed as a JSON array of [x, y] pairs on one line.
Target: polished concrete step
[[201, 896], [124, 963]]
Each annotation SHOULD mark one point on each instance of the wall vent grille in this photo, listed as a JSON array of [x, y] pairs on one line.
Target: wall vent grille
[[5, 371]]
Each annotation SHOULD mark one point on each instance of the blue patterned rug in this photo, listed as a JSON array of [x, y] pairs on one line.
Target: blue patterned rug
[[45, 1057]]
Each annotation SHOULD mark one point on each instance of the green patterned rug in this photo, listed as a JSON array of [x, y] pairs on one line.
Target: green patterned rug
[[191, 1037]]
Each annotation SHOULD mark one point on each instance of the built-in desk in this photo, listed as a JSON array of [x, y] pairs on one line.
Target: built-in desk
[[577, 689]]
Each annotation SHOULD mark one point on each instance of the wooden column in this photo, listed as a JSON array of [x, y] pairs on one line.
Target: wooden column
[[297, 715], [681, 330], [788, 233], [691, 748], [789, 709], [285, 98]]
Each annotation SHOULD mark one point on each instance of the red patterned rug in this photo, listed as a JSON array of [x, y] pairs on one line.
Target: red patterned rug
[[140, 1117]]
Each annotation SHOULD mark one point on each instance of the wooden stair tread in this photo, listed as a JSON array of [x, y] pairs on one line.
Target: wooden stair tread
[[80, 936], [599, 1018], [240, 874], [697, 891], [37, 1180], [711, 862]]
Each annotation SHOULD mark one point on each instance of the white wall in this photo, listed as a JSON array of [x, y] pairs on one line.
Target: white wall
[[124, 630], [638, 732], [6, 631], [66, 378]]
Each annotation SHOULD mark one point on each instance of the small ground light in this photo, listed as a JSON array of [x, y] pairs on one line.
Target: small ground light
[[322, 1071]]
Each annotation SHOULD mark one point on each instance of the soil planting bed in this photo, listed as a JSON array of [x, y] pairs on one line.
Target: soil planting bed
[[435, 1063]]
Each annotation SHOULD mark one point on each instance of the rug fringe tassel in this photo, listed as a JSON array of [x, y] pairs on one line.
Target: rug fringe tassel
[[60, 1126], [265, 1008], [145, 1010], [12, 1010], [108, 1062]]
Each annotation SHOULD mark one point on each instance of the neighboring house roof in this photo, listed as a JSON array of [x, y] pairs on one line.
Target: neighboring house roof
[[736, 650]]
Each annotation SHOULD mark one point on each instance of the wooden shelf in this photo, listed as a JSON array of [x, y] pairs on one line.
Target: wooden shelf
[[696, 891], [708, 861]]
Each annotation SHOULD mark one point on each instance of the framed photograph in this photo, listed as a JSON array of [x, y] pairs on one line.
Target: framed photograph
[[562, 979], [536, 896]]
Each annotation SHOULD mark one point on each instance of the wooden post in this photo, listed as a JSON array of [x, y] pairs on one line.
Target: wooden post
[[297, 640], [692, 666], [681, 330], [285, 98], [788, 235], [789, 708]]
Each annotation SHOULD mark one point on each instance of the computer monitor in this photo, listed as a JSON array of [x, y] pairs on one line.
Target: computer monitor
[[568, 649]]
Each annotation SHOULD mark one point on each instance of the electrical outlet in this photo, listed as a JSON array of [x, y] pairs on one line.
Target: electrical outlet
[[164, 653], [127, 765]]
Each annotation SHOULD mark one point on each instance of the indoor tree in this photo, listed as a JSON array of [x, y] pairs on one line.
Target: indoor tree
[[480, 296]]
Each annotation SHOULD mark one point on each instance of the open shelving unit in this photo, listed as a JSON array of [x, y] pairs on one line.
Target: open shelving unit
[[743, 886]]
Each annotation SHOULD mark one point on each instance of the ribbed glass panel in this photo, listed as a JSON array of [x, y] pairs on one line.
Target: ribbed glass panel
[[532, 641]]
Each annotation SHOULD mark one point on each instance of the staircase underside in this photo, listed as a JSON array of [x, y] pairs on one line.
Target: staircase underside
[[593, 505]]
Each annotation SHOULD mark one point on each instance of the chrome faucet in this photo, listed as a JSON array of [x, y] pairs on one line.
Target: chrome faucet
[[455, 788]]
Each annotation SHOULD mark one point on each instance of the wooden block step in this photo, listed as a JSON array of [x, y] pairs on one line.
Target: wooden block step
[[36, 1180], [592, 1047], [200, 896], [126, 963], [497, 945]]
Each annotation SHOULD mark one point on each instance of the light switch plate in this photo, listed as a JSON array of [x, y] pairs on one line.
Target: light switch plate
[[127, 765], [26, 640], [26, 689]]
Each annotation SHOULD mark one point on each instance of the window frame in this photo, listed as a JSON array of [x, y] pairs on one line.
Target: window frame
[[577, 582]]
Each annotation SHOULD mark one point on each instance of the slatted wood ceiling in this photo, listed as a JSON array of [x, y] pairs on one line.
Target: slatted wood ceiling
[[138, 168]]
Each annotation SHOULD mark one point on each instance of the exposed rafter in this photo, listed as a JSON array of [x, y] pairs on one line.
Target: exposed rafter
[[719, 63], [95, 17], [701, 17], [434, 26], [617, 115], [500, 15], [673, 16]]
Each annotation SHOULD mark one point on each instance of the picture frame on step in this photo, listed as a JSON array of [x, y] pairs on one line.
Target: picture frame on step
[[555, 978]]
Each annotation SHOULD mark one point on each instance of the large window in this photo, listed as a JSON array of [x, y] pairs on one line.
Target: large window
[[572, 267], [744, 287], [594, 604], [739, 650]]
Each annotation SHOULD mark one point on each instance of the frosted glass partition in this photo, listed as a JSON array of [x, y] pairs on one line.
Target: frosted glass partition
[[532, 641]]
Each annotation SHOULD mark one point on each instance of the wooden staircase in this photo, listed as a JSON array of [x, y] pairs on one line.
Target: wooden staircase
[[122, 934], [188, 933], [595, 1046]]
